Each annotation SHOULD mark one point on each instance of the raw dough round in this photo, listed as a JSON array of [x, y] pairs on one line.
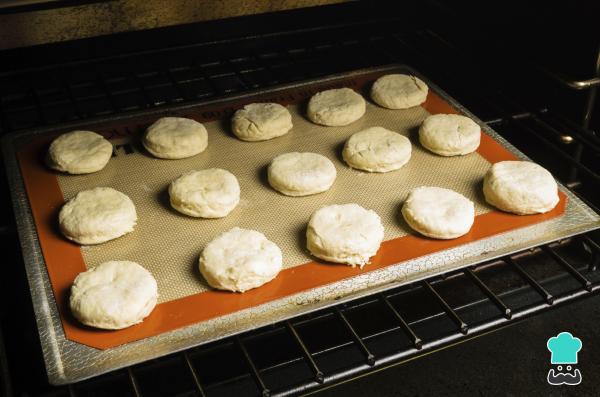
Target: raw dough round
[[301, 174], [175, 138], [211, 193], [450, 134], [79, 152], [399, 91], [97, 215], [345, 233], [336, 108], [261, 121], [521, 187], [377, 150], [239, 260], [438, 213], [113, 295]]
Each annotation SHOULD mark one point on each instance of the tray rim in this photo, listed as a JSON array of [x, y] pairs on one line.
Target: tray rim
[[48, 322]]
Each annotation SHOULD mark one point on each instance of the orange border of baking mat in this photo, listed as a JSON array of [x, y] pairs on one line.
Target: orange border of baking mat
[[64, 260]]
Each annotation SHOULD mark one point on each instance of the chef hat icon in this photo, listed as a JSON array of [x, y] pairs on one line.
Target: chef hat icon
[[564, 348]]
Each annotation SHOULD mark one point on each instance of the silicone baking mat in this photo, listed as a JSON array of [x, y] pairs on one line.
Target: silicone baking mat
[[168, 243]]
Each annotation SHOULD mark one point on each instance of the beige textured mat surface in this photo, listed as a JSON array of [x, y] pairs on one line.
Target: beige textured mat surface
[[168, 243]]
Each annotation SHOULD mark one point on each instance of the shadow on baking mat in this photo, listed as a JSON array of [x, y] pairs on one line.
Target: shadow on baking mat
[[195, 273], [263, 176], [165, 202]]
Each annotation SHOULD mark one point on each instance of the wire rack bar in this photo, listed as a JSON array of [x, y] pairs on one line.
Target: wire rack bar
[[594, 247], [135, 387], [370, 357], [527, 277], [416, 341], [464, 328], [506, 311], [265, 392], [319, 377], [195, 377], [587, 284]]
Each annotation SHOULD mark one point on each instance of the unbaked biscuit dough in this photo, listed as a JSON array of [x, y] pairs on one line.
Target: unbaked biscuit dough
[[261, 121], [175, 138], [337, 107], [438, 213], [399, 91], [239, 260], [301, 174], [520, 187], [211, 193], [113, 295], [79, 152], [346, 233], [450, 134], [97, 215], [377, 150]]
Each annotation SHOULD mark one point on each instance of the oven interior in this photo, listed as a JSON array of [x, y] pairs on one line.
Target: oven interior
[[523, 70]]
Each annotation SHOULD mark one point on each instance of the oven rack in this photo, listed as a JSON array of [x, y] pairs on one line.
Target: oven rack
[[262, 362], [325, 347]]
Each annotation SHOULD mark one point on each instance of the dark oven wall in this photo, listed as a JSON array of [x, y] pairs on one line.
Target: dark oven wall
[[515, 66]]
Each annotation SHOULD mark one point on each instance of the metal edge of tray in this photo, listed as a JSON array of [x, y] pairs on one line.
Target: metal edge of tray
[[68, 362]]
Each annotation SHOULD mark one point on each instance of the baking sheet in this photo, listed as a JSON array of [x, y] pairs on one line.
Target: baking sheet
[[68, 361]]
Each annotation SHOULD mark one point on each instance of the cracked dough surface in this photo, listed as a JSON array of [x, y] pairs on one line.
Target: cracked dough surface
[[438, 213], [97, 215], [301, 174], [239, 260], [211, 193], [520, 187], [377, 149], [261, 121], [399, 91], [79, 152], [450, 134], [113, 295], [344, 233], [337, 107], [175, 138]]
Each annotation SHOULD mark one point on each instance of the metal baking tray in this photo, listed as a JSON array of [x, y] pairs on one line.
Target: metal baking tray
[[68, 361]]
